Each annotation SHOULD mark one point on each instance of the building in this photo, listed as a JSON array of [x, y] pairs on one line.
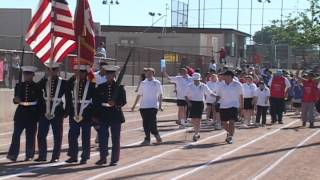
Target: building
[[197, 41], [14, 23]]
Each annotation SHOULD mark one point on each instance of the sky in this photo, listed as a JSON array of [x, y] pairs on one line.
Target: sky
[[135, 12]]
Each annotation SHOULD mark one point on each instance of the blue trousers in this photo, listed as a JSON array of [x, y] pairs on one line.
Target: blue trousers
[[73, 135], [104, 134], [57, 130], [31, 129]]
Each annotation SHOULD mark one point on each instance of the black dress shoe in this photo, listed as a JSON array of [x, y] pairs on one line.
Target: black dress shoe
[[12, 158], [54, 160], [101, 162], [72, 160], [28, 159], [40, 160], [280, 122], [113, 163], [83, 161]]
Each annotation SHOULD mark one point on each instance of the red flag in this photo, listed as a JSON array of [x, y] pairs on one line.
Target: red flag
[[51, 22], [84, 30]]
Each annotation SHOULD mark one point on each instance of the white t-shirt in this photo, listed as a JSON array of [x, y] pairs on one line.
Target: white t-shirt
[[230, 94], [181, 85], [213, 86], [262, 96], [287, 82], [197, 92], [99, 79], [248, 90], [213, 66], [150, 92]]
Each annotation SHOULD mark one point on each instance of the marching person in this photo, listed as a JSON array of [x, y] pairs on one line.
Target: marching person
[[230, 96], [53, 115], [150, 92], [99, 78], [249, 89], [261, 99], [27, 95], [213, 84], [195, 94], [181, 81], [108, 102], [80, 118], [310, 97], [278, 89]]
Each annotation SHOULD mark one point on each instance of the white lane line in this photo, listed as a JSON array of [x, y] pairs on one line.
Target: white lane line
[[263, 173], [63, 145], [98, 176], [66, 132], [44, 166], [230, 152]]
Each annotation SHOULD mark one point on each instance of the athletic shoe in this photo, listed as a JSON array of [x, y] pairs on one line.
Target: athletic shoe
[[145, 143]]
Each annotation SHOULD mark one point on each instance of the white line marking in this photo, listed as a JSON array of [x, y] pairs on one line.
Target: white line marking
[[44, 166], [263, 173], [151, 158], [138, 120], [63, 145], [230, 152]]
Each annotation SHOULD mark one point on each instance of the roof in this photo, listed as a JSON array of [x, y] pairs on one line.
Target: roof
[[148, 29]]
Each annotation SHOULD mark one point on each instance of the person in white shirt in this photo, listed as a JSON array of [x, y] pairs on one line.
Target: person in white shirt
[[182, 81], [213, 65], [195, 94], [150, 92], [230, 96], [261, 99], [249, 89], [213, 84]]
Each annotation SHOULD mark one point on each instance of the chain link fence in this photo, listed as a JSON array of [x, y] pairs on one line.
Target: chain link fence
[[284, 56]]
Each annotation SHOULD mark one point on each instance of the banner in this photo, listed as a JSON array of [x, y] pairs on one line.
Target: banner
[[1, 70]]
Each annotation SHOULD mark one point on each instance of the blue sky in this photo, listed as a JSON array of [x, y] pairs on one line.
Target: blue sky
[[135, 12]]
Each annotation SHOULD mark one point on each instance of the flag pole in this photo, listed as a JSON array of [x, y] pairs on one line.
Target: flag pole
[[77, 81], [76, 95], [49, 114]]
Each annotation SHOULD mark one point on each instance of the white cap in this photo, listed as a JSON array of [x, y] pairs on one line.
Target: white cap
[[82, 67], [29, 68], [196, 76], [53, 65], [110, 68]]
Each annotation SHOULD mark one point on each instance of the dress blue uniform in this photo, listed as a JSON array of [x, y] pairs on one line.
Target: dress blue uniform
[[84, 123], [56, 122], [109, 117], [25, 117]]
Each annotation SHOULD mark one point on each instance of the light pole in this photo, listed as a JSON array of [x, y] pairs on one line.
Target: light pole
[[110, 3], [250, 21], [152, 14], [221, 5], [238, 8], [262, 16]]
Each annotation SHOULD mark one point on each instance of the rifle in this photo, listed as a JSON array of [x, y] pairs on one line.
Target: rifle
[[120, 77], [20, 71]]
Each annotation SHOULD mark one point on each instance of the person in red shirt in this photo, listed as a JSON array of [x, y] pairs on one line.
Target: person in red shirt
[[310, 97], [222, 55], [278, 89]]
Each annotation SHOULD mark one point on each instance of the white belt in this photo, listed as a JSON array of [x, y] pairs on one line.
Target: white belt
[[106, 105], [54, 99], [84, 101], [28, 103]]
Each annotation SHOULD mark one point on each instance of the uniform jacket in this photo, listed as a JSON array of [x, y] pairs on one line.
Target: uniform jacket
[[27, 92], [70, 96], [103, 94], [63, 90]]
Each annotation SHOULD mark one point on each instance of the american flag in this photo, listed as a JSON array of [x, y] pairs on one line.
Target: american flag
[[52, 21]]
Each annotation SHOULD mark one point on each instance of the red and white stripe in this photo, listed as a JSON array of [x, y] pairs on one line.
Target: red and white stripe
[[52, 22]]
